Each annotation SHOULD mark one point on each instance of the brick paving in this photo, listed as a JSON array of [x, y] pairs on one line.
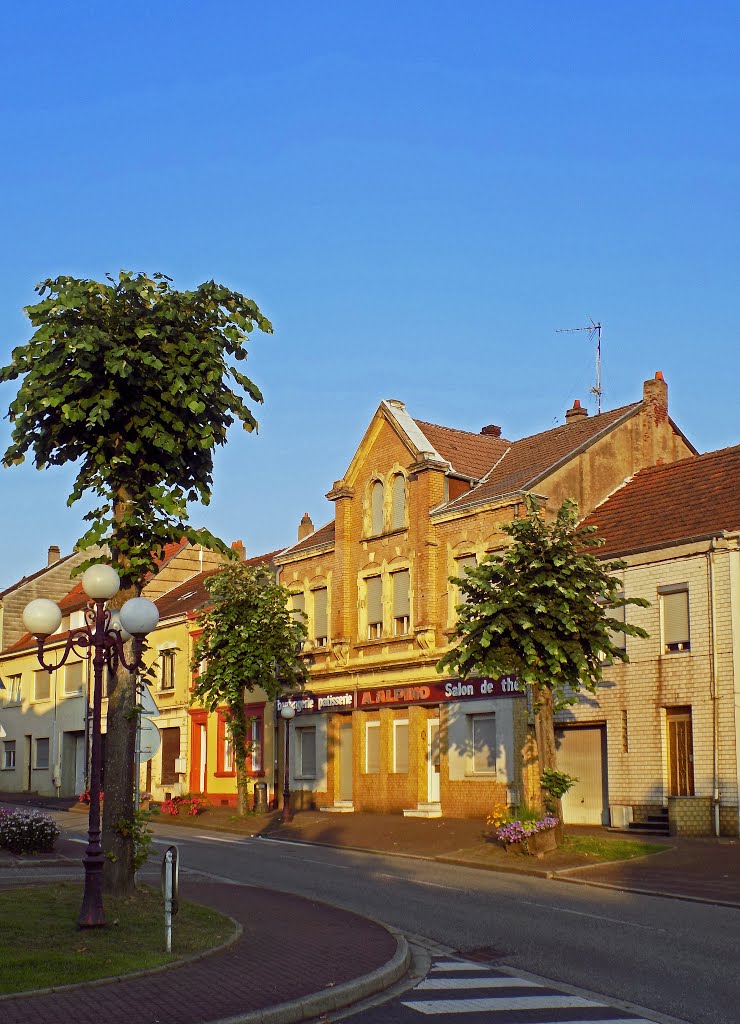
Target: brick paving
[[290, 948]]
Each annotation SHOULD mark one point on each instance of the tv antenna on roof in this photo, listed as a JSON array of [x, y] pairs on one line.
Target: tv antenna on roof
[[593, 329]]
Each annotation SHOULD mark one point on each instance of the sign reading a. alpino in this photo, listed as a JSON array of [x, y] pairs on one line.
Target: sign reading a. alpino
[[441, 692]]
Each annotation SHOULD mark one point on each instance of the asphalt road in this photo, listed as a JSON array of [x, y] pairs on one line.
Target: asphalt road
[[671, 956]]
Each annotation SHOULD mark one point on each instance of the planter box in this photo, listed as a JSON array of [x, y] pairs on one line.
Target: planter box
[[537, 845]]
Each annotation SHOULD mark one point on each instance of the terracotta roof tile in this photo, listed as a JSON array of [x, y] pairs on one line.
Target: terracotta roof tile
[[324, 535], [696, 497], [469, 454], [526, 460]]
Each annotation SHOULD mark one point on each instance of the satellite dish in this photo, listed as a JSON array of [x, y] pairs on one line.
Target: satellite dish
[[149, 740]]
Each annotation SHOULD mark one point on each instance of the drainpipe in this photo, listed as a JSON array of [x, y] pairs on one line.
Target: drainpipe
[[713, 683]]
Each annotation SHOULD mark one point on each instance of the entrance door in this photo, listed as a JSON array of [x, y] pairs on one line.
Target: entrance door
[[73, 763], [433, 796], [27, 754], [582, 754], [680, 752], [345, 760]]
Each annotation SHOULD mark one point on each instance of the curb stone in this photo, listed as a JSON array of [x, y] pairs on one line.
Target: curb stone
[[346, 994]]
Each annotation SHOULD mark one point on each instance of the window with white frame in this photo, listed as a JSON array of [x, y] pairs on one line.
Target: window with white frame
[[462, 564], [167, 670], [401, 602], [372, 748], [674, 609], [41, 752], [401, 745], [320, 625], [305, 755], [376, 509], [13, 688], [255, 739], [374, 598], [483, 743], [73, 676], [41, 685], [9, 754], [227, 751], [398, 514]]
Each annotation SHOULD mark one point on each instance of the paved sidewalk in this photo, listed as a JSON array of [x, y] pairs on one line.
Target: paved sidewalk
[[294, 959]]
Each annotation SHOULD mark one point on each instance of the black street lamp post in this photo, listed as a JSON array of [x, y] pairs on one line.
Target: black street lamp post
[[287, 713], [105, 634]]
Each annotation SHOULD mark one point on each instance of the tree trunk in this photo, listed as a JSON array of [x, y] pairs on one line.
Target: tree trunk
[[544, 724], [118, 805], [242, 797]]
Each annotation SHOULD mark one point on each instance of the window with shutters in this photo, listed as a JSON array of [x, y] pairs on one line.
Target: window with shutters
[[305, 751], [401, 746], [73, 676], [254, 735], [618, 638], [170, 753], [401, 602], [372, 748], [167, 670], [483, 743], [376, 509], [298, 606], [674, 608], [41, 685], [398, 513], [374, 602], [225, 748], [320, 627], [461, 565], [41, 752]]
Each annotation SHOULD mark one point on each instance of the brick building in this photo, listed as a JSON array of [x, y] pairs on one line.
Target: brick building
[[380, 729], [662, 734]]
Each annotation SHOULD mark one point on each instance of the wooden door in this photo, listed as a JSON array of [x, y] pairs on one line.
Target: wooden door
[[680, 752]]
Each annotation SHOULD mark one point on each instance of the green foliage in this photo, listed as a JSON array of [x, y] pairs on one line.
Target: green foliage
[[250, 640], [557, 783], [136, 383], [140, 833], [540, 609]]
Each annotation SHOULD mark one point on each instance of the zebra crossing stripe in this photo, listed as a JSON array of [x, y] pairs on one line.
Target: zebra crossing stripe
[[484, 981], [454, 965], [549, 1002]]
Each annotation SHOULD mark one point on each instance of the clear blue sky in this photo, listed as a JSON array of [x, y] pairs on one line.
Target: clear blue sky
[[418, 194]]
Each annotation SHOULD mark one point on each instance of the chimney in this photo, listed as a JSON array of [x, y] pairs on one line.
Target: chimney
[[305, 527], [54, 554], [576, 412], [491, 430], [238, 546], [655, 391]]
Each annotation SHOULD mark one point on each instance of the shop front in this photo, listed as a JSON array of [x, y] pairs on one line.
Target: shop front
[[447, 747]]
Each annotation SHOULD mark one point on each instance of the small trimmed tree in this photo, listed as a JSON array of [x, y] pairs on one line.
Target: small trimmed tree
[[250, 641], [136, 383], [540, 610]]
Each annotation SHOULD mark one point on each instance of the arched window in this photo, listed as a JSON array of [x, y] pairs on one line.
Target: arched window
[[376, 509], [398, 519]]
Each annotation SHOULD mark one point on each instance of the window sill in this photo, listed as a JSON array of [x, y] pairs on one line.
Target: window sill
[[303, 778], [380, 641], [224, 775], [385, 533], [7, 768]]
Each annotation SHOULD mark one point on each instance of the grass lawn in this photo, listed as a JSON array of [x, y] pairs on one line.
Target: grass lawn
[[41, 945], [597, 848]]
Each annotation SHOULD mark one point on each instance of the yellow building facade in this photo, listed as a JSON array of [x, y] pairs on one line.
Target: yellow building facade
[[380, 729]]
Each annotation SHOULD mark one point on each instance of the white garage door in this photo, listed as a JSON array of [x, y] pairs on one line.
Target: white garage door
[[580, 753]]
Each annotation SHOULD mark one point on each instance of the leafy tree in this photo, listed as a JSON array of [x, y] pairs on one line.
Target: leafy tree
[[135, 383], [540, 610], [250, 640]]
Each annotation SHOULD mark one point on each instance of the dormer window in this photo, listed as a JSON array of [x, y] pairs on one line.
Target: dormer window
[[376, 509]]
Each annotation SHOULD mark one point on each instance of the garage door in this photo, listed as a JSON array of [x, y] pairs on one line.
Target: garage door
[[581, 753]]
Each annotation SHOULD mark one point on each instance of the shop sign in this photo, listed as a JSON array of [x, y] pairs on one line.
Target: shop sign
[[441, 692], [318, 703]]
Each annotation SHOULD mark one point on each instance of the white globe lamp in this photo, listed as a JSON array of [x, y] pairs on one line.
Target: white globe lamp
[[139, 616], [115, 623], [101, 582], [42, 617]]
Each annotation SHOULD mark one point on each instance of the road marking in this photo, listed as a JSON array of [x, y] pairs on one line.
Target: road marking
[[594, 917], [551, 1002], [455, 965], [487, 981]]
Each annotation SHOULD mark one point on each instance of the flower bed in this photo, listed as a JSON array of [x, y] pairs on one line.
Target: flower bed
[[27, 832], [530, 835]]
